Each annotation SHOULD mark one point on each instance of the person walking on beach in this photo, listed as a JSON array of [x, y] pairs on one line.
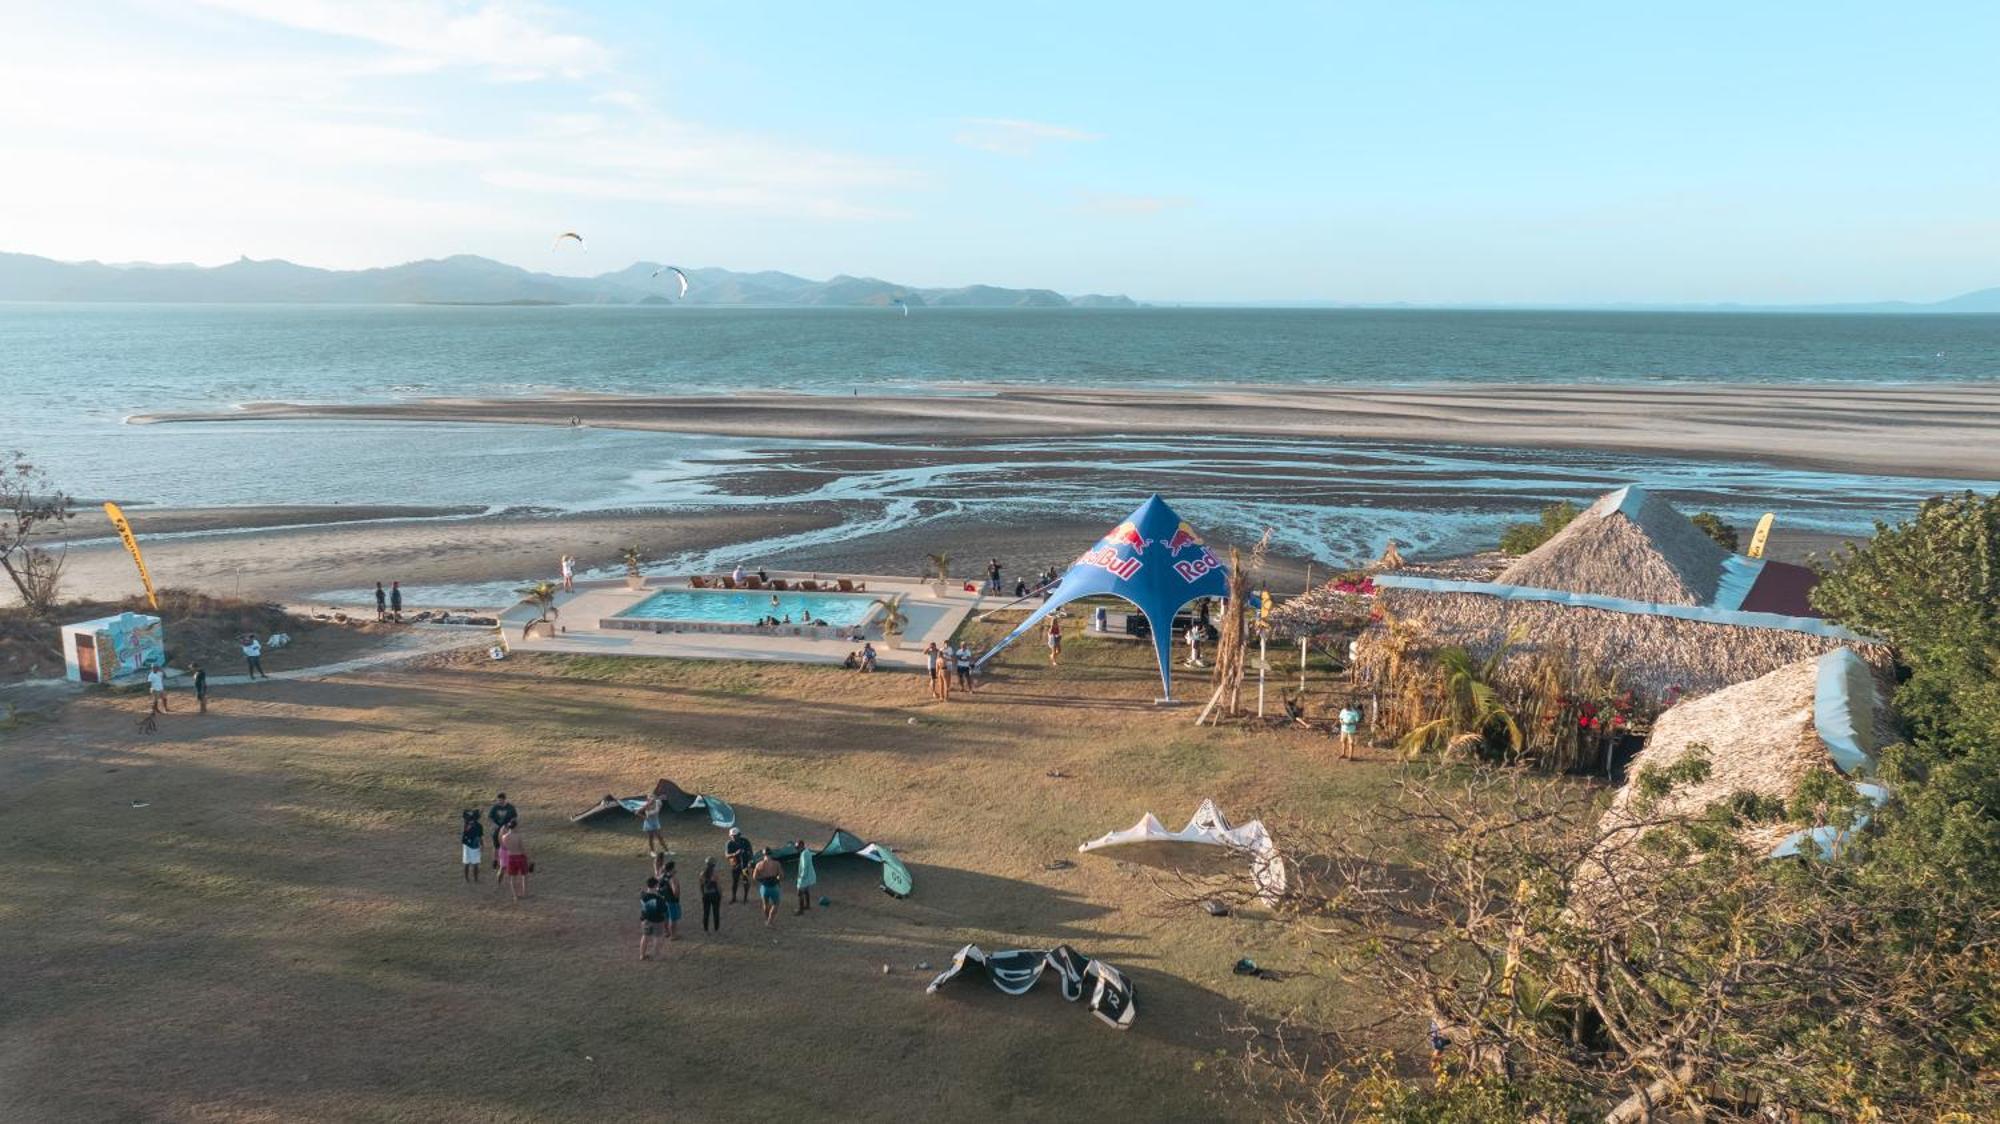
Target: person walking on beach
[[768, 873], [471, 836], [649, 822], [253, 655], [652, 916], [516, 867], [670, 889], [156, 684], [808, 877], [568, 568], [1055, 641], [711, 897], [738, 853], [200, 688], [396, 602], [1350, 722], [381, 603]]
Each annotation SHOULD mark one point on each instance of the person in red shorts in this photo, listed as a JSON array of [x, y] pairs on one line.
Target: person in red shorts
[[515, 865]]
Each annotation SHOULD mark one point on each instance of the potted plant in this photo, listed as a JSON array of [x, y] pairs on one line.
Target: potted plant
[[635, 572], [940, 567], [894, 621], [542, 595]]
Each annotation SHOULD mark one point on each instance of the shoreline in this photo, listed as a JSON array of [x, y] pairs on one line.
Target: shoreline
[[1944, 430]]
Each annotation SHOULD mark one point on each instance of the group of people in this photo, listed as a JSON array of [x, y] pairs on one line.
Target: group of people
[[511, 865], [863, 660], [943, 663], [389, 602]]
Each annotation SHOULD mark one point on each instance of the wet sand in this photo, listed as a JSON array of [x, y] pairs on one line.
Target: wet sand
[[1945, 430]]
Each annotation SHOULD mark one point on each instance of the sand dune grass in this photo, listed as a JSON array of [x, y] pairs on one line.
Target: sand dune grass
[[282, 932]]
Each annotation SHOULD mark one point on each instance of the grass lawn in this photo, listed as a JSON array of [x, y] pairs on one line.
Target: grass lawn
[[283, 933]]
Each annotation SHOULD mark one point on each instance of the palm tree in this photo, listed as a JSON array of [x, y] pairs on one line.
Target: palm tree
[[1470, 704], [542, 595], [940, 565], [635, 561], [894, 620]]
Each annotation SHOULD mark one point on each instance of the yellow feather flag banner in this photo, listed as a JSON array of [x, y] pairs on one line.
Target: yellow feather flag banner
[[117, 518], [1763, 532]]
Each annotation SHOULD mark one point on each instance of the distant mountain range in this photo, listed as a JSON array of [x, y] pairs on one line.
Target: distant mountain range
[[468, 279]]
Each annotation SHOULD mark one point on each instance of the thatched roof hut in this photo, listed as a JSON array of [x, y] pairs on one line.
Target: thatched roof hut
[[1824, 715]]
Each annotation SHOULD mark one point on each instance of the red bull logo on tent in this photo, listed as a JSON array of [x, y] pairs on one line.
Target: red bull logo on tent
[[1153, 559]]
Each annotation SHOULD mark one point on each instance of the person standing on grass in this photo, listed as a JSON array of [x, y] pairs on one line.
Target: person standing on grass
[[931, 665], [962, 661], [1350, 722], [201, 688], [711, 897], [808, 877], [516, 850], [471, 836], [649, 822], [253, 655], [1055, 641], [768, 874], [670, 889], [396, 601], [381, 603], [652, 916], [500, 815], [156, 684], [738, 852]]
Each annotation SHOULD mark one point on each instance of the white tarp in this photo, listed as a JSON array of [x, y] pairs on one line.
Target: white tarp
[[1149, 841]]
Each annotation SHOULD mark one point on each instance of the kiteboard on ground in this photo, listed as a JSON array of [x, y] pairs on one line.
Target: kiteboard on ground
[[896, 880], [675, 799], [1017, 971], [1208, 844]]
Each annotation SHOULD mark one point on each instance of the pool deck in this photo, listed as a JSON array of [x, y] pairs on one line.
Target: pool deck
[[934, 614]]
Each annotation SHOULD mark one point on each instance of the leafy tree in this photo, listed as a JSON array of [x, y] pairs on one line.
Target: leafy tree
[[1712, 525], [542, 595], [1469, 703], [30, 508], [1520, 538]]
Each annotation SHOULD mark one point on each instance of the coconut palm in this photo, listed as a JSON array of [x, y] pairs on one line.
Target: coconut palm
[[635, 561], [940, 565], [894, 620], [1470, 704], [542, 595]]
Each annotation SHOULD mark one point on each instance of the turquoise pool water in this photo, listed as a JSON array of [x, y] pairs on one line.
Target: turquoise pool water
[[839, 609]]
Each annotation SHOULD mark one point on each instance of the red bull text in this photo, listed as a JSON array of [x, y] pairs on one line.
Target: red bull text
[[1192, 569], [1106, 557]]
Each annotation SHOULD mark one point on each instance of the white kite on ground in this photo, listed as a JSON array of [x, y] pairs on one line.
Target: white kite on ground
[[1149, 842]]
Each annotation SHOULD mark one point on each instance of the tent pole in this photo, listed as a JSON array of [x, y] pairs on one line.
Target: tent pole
[[1263, 661]]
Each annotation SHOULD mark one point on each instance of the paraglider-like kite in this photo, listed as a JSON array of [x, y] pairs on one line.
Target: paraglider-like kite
[[557, 244], [898, 302], [678, 275]]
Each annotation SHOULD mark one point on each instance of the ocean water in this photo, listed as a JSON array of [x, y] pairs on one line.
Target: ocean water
[[70, 374]]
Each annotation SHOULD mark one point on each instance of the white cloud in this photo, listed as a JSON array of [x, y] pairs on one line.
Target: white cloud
[[510, 40], [1009, 137], [1114, 203]]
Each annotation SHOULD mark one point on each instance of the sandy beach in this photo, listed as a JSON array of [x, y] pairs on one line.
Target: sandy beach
[[1944, 430]]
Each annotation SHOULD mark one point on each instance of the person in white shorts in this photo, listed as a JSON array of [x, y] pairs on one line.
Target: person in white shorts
[[470, 833]]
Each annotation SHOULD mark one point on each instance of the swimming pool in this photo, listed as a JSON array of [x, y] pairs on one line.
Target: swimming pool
[[842, 610]]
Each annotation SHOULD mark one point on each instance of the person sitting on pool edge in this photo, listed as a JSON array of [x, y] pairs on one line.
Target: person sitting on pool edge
[[851, 662]]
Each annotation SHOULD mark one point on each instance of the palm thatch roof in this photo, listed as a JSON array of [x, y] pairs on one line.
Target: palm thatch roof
[[1829, 714], [1630, 544]]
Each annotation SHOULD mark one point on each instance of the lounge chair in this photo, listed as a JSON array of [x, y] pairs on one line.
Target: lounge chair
[[808, 587], [697, 582], [729, 583], [753, 583], [844, 585], [778, 584]]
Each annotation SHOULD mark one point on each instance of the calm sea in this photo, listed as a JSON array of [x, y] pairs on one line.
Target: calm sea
[[69, 374]]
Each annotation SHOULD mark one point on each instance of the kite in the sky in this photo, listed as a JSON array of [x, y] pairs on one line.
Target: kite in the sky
[[557, 244], [898, 302], [678, 275]]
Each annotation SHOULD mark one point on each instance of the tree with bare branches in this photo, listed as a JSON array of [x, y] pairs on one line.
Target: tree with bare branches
[[31, 510]]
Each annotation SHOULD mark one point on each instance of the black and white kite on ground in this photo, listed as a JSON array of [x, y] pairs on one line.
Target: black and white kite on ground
[[1198, 846], [1016, 972], [678, 276], [676, 800], [896, 881]]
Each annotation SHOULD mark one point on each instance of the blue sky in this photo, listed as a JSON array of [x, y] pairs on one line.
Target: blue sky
[[1422, 152]]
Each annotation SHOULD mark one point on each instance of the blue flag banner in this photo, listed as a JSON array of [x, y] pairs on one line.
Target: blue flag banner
[[1153, 560]]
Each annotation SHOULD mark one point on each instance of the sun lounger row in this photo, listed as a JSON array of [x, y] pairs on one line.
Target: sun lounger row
[[779, 585]]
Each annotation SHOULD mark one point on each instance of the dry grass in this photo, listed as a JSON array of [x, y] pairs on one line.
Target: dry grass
[[283, 932], [197, 627]]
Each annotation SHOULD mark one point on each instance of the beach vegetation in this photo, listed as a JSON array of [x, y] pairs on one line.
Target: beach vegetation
[[32, 509], [635, 561], [1520, 538], [1712, 525], [894, 619], [939, 565], [1464, 699], [542, 595]]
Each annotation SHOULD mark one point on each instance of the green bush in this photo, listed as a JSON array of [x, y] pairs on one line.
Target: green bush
[[1712, 525], [1520, 538]]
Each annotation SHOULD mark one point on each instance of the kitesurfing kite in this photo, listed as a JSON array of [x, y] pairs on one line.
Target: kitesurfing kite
[[557, 244], [678, 275], [898, 302]]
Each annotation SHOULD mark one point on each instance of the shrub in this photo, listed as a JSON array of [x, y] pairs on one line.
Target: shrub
[[1712, 525], [1520, 538]]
